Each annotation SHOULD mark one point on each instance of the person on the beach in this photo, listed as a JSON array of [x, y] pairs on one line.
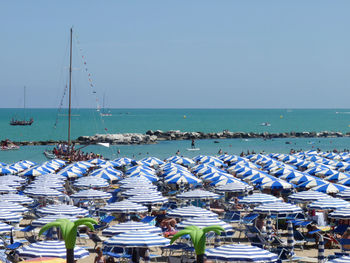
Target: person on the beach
[[178, 152], [192, 144], [99, 257], [220, 151]]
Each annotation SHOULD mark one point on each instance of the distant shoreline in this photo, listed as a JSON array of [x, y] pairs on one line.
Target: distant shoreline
[[152, 137]]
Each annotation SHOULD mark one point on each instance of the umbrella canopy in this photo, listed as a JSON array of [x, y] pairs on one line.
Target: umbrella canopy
[[136, 191], [124, 207], [16, 198], [130, 226], [307, 196], [344, 195], [344, 259], [91, 181], [7, 189], [137, 239], [148, 199], [311, 183], [234, 187], [329, 204], [10, 217], [190, 211], [258, 198], [204, 221], [68, 210], [278, 184], [186, 178], [5, 228], [42, 192], [13, 207], [51, 218], [330, 188], [107, 174], [341, 213], [241, 253], [197, 194], [50, 248], [91, 194], [278, 208]]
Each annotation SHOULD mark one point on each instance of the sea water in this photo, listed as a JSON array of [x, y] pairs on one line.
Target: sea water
[[52, 124]]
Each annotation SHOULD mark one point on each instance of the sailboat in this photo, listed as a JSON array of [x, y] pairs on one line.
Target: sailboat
[[103, 112], [24, 122], [66, 150]]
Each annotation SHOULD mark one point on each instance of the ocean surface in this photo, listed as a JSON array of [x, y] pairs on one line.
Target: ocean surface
[[52, 124]]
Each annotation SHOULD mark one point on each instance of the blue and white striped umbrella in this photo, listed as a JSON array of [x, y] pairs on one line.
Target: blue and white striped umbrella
[[278, 208], [307, 196], [214, 162], [289, 174], [138, 184], [14, 178], [7, 189], [330, 188], [136, 191], [137, 239], [46, 185], [50, 248], [278, 184], [344, 195], [130, 226], [182, 178], [148, 199], [124, 207], [204, 221], [6, 170], [338, 177], [258, 198], [96, 161], [241, 253], [91, 181], [107, 174], [341, 213], [303, 178], [329, 204], [91, 194], [345, 182], [13, 207], [197, 194], [234, 187], [109, 164], [36, 171], [51, 218], [184, 161], [205, 169], [152, 161], [125, 160], [139, 168], [11, 217], [150, 177], [312, 183], [190, 211], [16, 198], [68, 210], [133, 180], [42, 192], [5, 228], [344, 259]]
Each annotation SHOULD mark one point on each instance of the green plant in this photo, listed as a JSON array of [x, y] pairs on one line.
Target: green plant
[[69, 232], [198, 238]]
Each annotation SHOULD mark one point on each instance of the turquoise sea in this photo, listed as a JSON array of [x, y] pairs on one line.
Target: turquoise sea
[[89, 122]]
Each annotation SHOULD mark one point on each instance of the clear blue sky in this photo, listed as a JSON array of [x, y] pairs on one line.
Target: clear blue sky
[[179, 54]]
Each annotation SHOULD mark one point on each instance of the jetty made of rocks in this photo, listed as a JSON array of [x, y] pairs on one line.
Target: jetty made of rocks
[[152, 137]]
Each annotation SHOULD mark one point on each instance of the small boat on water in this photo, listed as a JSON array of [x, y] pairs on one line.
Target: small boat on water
[[24, 122], [7, 145], [265, 124]]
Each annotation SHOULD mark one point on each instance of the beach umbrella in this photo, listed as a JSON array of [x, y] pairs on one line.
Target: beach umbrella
[[109, 164], [345, 182], [341, 213], [13, 207], [150, 177], [136, 191], [329, 204], [234, 187], [46, 184], [107, 174], [96, 161], [138, 184], [10, 217], [50, 248], [344, 259], [289, 174], [182, 178], [330, 188], [277, 185], [7, 189], [223, 181], [68, 210], [321, 257], [91, 181], [148, 199], [258, 198], [190, 211], [124, 207], [204, 221], [50, 218], [197, 194], [205, 169], [125, 160], [278, 208], [139, 168], [16, 198], [241, 253], [36, 171], [91, 194], [14, 178], [71, 174], [307, 196], [152, 161], [338, 177], [42, 192], [130, 226], [137, 239], [344, 195], [262, 180], [301, 179], [6, 170], [311, 184]]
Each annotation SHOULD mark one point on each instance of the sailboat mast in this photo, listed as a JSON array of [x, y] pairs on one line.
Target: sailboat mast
[[24, 102], [70, 86]]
